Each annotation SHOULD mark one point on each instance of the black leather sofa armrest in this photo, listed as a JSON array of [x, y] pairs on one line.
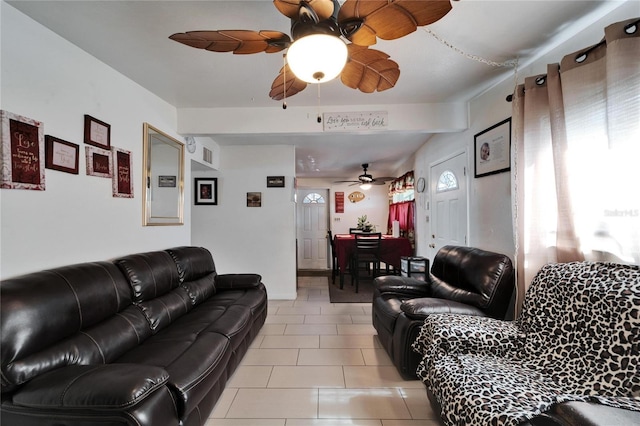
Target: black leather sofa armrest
[[401, 287], [237, 281], [419, 309], [576, 413], [101, 386], [463, 334]]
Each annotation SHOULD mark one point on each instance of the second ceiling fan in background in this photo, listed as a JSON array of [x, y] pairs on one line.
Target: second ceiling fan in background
[[367, 179]]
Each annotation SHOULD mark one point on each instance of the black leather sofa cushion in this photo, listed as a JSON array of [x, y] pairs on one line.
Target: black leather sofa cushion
[[473, 276], [192, 263], [197, 272], [194, 362], [156, 287], [234, 324], [121, 385], [150, 274], [87, 293]]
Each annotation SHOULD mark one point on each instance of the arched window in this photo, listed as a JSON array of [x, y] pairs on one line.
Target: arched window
[[447, 182], [313, 198]]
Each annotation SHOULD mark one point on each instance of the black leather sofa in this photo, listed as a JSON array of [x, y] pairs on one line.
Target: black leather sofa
[[462, 280], [146, 339]]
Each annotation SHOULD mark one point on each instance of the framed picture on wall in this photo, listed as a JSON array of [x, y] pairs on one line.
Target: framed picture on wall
[[275, 181], [98, 162], [22, 152], [61, 155], [206, 191], [166, 181], [254, 199], [121, 174], [493, 149], [97, 132]]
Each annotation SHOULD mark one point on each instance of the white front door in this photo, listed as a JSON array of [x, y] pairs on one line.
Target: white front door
[[448, 194], [312, 213]]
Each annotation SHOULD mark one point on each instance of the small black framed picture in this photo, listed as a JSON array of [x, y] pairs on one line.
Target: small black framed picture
[[275, 181], [254, 199], [206, 191], [166, 181]]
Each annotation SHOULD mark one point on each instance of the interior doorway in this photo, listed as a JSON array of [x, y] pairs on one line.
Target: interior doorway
[[312, 224], [449, 209]]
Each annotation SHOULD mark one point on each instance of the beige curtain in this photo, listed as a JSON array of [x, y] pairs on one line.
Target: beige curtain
[[576, 156]]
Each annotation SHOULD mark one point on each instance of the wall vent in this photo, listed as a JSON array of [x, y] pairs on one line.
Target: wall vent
[[207, 155]]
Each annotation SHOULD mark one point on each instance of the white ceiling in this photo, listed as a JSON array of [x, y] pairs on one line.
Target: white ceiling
[[132, 37]]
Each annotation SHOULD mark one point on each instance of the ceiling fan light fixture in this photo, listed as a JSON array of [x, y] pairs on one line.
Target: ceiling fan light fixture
[[365, 186], [317, 58]]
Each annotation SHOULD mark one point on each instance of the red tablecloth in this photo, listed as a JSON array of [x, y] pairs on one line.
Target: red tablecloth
[[391, 249]]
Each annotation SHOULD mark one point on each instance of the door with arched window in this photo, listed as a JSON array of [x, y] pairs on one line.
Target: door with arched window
[[448, 194], [312, 224]]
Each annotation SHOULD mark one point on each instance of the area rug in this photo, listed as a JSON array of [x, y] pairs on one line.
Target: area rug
[[314, 272], [348, 293]]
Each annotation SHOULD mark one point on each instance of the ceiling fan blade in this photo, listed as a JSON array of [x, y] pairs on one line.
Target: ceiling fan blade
[[369, 70], [291, 86], [346, 181], [236, 41], [388, 19], [290, 8], [382, 180]]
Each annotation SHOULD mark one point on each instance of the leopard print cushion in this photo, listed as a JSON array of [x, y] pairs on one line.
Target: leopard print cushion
[[577, 339]]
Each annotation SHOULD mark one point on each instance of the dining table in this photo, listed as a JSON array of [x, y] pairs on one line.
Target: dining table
[[391, 250]]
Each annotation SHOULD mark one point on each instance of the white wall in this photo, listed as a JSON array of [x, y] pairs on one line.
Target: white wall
[[490, 221], [75, 219], [251, 239]]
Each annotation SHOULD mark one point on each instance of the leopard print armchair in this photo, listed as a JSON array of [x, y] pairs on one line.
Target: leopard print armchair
[[577, 339]]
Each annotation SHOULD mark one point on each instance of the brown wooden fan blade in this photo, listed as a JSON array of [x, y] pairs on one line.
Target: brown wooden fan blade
[[290, 8], [237, 41], [390, 19], [381, 180], [369, 70], [291, 86]]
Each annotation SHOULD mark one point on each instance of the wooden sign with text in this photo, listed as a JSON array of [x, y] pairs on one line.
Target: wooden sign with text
[[22, 152], [339, 202], [347, 121], [356, 196], [122, 170]]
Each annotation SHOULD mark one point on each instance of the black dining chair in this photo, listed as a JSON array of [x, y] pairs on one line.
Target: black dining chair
[[335, 271], [367, 253]]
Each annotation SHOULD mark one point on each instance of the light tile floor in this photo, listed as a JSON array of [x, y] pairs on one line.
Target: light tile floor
[[319, 364]]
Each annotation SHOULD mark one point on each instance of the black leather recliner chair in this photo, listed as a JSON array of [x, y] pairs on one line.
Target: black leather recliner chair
[[462, 280]]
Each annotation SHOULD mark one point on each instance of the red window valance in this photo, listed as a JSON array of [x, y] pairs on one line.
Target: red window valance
[[401, 184]]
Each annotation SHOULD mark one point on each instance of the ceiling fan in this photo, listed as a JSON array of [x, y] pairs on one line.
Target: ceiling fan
[[367, 179], [360, 22]]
